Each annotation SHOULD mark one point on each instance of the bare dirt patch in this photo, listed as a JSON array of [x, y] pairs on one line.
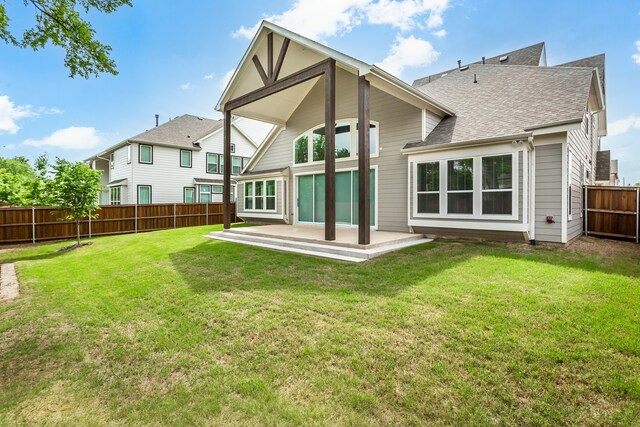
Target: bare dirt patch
[[612, 248], [72, 247]]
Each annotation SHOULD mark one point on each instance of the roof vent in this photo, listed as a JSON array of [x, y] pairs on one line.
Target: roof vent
[[483, 60], [504, 58], [466, 67], [199, 118], [444, 74], [459, 63]]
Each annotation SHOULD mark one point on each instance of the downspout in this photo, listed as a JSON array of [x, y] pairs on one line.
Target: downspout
[[532, 190]]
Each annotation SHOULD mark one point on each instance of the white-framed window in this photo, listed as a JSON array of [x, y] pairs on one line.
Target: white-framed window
[[189, 195], [185, 158], [112, 161], [205, 193], [497, 185], [145, 154], [115, 195], [428, 187], [260, 195], [308, 148], [477, 186], [460, 186], [128, 153], [144, 194]]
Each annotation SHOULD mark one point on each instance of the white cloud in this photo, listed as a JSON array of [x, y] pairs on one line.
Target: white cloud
[[11, 113], [222, 84], [621, 126], [9, 146], [320, 19], [403, 14], [185, 86], [636, 56], [440, 33], [408, 52], [208, 76], [71, 138]]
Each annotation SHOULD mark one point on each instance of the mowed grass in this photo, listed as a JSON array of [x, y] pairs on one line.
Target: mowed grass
[[171, 328]]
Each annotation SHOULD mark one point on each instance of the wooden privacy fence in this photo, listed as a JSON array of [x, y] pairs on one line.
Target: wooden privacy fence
[[612, 212], [36, 224]]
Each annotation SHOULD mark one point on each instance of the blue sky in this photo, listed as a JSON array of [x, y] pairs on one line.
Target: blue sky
[[173, 58]]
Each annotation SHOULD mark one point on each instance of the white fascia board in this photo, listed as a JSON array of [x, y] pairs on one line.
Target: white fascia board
[[556, 129], [461, 144], [258, 176]]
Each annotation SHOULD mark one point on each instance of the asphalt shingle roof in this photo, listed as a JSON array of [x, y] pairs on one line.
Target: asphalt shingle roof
[[182, 131], [596, 61], [530, 55], [505, 101]]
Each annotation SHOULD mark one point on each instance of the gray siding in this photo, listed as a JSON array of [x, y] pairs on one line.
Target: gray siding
[[399, 123], [548, 192], [581, 148]]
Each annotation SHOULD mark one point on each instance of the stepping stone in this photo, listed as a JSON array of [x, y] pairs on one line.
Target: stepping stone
[[8, 282]]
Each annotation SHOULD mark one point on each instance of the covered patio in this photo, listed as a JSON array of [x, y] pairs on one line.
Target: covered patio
[[310, 240]]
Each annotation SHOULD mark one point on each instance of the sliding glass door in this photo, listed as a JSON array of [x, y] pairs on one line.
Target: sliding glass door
[[311, 197]]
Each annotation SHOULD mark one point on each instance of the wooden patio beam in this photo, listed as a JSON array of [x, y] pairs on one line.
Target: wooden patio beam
[[315, 70], [226, 190], [330, 151], [364, 162], [283, 52], [263, 75]]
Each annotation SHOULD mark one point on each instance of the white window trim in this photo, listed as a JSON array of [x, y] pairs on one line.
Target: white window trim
[[263, 197], [315, 172], [477, 156], [111, 200], [353, 145]]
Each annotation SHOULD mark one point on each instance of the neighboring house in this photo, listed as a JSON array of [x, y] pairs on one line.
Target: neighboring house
[[179, 161], [606, 170], [499, 148]]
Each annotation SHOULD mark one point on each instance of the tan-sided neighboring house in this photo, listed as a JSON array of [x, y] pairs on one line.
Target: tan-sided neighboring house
[[498, 148], [179, 161]]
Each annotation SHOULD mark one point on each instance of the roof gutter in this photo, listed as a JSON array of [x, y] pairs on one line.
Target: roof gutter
[[462, 144]]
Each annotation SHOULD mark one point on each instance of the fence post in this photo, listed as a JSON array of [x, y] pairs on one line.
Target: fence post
[[206, 215], [135, 209], [637, 215], [586, 210], [89, 224], [33, 224], [174, 215]]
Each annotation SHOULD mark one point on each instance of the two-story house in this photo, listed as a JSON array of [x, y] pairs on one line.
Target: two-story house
[[179, 161]]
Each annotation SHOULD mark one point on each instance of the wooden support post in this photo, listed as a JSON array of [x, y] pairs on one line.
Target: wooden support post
[[586, 210], [89, 224], [33, 224], [330, 152], [364, 162], [174, 215], [226, 190], [135, 220], [206, 213]]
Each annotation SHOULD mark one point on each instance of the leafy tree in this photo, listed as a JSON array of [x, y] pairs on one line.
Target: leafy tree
[[75, 188], [60, 22], [23, 185], [637, 184]]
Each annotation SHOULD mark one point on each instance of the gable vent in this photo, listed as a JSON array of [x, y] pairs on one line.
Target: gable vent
[[504, 58]]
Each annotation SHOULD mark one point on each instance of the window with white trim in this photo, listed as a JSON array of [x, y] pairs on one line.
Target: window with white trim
[[260, 195], [114, 195], [212, 163], [428, 187], [309, 147], [112, 161], [236, 165], [497, 185], [460, 186]]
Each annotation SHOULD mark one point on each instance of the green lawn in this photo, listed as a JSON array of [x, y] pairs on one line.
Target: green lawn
[[171, 328]]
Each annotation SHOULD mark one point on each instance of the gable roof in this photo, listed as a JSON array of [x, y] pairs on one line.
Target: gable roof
[[245, 78], [506, 101], [533, 55], [596, 61], [181, 132]]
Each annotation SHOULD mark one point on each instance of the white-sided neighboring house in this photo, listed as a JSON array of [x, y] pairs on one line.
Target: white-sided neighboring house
[[500, 148], [179, 161]]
